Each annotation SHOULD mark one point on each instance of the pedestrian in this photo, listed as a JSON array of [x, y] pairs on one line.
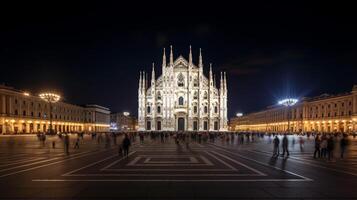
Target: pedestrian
[[301, 141], [66, 144], [53, 144], [323, 146], [276, 146], [141, 136], [343, 144], [126, 144], [317, 147], [76, 145], [330, 147], [285, 145]]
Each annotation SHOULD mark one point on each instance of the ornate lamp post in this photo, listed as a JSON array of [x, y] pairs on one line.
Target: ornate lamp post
[[288, 103], [50, 98]]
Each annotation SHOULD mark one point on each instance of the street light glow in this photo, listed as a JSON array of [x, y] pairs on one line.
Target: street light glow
[[239, 114], [50, 97], [288, 102]]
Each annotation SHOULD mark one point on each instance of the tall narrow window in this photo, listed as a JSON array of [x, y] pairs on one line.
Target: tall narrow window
[[195, 109], [180, 80], [206, 109], [148, 109], [180, 100], [159, 109]]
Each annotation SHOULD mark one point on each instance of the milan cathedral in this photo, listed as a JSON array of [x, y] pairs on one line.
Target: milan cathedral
[[182, 98]]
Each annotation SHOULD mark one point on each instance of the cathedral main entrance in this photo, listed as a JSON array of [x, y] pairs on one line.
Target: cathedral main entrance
[[181, 124]]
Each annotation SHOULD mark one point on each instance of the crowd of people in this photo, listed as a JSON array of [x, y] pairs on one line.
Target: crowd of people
[[324, 144]]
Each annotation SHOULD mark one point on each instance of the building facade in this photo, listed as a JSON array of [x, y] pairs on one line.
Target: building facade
[[123, 121], [21, 112], [182, 98], [325, 113]]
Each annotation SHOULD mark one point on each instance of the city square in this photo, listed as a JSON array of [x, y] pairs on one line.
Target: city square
[[178, 100], [223, 169]]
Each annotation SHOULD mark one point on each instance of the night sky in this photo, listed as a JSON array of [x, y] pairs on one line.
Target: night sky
[[93, 53]]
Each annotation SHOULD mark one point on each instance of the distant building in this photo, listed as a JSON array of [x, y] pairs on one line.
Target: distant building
[[21, 112], [122, 121], [183, 98], [325, 113]]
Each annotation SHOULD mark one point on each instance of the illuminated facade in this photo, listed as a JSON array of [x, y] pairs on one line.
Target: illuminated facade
[[21, 112], [325, 113], [182, 98]]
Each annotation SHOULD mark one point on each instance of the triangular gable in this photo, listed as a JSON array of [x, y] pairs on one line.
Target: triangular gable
[[182, 61]]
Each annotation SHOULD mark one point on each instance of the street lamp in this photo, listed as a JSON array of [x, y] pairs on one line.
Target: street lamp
[[50, 98], [288, 103]]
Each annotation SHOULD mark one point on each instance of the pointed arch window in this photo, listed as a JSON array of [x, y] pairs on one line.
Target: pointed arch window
[[159, 109], [180, 101], [180, 80]]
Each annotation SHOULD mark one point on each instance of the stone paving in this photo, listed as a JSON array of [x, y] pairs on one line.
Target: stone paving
[[222, 169]]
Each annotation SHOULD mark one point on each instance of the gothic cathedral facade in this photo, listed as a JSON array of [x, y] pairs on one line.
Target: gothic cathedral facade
[[182, 98]]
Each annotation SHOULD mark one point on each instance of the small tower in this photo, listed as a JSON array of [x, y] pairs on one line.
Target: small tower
[[163, 62], [171, 57]]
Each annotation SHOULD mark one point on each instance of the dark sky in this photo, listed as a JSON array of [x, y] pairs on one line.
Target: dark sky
[[92, 53]]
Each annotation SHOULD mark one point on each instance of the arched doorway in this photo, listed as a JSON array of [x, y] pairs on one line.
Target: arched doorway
[[158, 127], [181, 124]]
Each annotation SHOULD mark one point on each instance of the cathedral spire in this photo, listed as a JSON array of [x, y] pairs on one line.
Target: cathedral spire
[[153, 75], [221, 85], [190, 57], [143, 83], [214, 80], [200, 63], [210, 75], [164, 59], [225, 82], [140, 82], [171, 57]]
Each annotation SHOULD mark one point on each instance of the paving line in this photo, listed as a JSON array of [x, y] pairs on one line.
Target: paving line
[[49, 164], [42, 161], [262, 163], [117, 161], [146, 174], [21, 161], [168, 180], [308, 162], [224, 163]]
